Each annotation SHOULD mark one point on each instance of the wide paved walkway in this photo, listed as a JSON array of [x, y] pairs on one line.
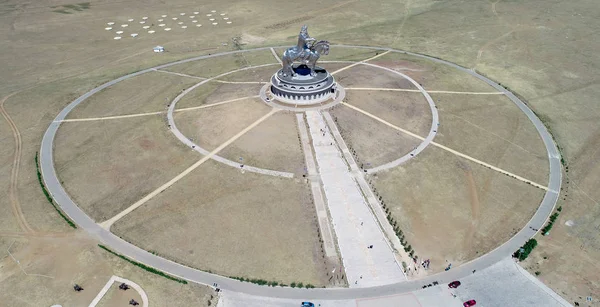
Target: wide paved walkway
[[354, 224], [438, 296]]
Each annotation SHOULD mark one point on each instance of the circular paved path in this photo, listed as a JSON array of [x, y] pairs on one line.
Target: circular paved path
[[118, 245]]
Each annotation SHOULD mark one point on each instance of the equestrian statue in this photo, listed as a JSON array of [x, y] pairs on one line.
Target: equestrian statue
[[306, 52]]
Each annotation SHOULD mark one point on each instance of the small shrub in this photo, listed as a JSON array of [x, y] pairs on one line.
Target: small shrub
[[524, 251]]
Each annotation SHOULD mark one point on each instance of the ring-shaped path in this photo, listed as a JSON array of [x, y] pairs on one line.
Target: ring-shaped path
[[131, 251], [185, 140]]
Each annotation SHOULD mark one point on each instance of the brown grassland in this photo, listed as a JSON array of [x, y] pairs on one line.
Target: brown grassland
[[373, 142], [273, 144], [214, 92], [234, 224], [74, 258], [212, 126], [544, 51], [452, 209], [108, 165]]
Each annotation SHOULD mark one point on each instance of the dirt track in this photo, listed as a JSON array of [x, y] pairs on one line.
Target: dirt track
[[14, 174]]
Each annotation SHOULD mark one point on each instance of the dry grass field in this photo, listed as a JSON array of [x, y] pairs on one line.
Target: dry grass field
[[259, 74], [108, 165], [367, 76], [374, 142], [273, 144], [406, 110], [452, 209], [218, 65], [75, 258], [431, 75], [8, 223], [150, 92], [545, 51], [233, 224], [214, 92], [213, 126], [492, 129]]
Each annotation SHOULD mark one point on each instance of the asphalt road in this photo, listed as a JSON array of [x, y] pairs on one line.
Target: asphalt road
[[118, 245]]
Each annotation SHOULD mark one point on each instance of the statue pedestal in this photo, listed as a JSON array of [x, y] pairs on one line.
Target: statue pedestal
[[302, 88]]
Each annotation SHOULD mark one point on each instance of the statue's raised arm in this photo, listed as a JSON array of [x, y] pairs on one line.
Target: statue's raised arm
[[304, 38]]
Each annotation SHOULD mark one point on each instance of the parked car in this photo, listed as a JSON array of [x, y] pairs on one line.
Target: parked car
[[454, 284], [307, 304], [470, 303]]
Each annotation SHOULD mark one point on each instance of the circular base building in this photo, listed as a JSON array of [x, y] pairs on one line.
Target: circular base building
[[302, 88]]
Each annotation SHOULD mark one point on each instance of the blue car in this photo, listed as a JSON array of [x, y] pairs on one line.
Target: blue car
[[307, 304]]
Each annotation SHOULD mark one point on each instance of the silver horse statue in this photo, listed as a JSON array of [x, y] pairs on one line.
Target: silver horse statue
[[306, 52]]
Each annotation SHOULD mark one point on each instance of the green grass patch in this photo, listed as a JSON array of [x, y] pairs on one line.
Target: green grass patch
[[48, 197], [143, 266]]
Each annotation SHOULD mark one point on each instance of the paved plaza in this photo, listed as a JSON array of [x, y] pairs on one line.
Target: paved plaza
[[507, 284], [367, 257], [438, 296]]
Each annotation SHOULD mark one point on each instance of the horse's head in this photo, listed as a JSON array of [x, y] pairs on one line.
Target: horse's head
[[321, 47]]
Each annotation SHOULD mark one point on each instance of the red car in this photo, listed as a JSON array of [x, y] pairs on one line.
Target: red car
[[454, 284], [470, 303]]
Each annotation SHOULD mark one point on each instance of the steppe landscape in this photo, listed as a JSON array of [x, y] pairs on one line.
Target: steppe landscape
[[254, 214]]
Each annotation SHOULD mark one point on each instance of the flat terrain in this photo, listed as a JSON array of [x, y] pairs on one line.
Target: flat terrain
[[431, 75], [7, 221], [117, 297], [368, 76], [373, 142], [267, 222], [492, 129], [452, 210], [259, 74], [273, 144], [108, 165], [213, 126], [214, 92], [505, 284], [74, 258], [58, 53], [215, 66], [150, 92], [406, 110]]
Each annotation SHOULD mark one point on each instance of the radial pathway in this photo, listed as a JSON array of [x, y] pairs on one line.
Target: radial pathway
[[367, 257]]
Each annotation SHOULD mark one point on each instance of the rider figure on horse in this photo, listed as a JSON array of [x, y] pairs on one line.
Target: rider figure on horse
[[307, 52], [304, 39]]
